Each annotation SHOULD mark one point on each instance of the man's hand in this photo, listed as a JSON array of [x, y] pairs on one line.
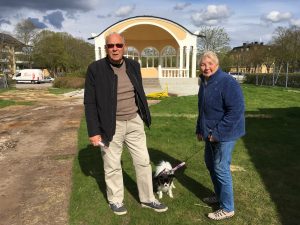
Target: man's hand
[[95, 140], [199, 137]]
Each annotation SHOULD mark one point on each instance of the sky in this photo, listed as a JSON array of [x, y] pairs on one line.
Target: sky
[[243, 20]]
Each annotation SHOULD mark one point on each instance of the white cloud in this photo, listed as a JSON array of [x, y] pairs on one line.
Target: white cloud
[[295, 22], [212, 15], [124, 11], [276, 17], [181, 6]]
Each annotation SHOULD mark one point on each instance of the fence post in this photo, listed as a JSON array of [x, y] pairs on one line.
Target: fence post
[[5, 81], [273, 78], [287, 74]]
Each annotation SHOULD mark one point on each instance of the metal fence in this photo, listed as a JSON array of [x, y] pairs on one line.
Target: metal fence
[[282, 80]]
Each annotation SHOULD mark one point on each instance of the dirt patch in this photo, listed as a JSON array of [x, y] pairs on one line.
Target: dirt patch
[[38, 144]]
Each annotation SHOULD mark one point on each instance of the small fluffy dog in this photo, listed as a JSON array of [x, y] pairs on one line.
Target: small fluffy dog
[[163, 179]]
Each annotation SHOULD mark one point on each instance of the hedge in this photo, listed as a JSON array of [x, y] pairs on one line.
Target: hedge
[[69, 82]]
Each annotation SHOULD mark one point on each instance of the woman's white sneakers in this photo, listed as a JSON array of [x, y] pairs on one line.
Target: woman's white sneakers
[[220, 214]]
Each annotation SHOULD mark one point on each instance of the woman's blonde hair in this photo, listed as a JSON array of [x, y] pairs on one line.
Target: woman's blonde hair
[[209, 54]]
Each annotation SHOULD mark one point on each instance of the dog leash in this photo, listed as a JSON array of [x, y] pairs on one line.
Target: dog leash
[[172, 170], [177, 167]]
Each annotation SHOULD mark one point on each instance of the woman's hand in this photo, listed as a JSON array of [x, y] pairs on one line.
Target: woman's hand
[[211, 138]]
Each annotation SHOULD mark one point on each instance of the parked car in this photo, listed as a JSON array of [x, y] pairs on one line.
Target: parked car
[[240, 77], [48, 80]]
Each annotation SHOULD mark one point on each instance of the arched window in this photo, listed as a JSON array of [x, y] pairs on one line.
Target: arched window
[[149, 57], [132, 53], [169, 57]]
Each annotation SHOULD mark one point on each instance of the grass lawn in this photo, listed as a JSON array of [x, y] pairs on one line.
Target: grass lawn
[[265, 163], [5, 103]]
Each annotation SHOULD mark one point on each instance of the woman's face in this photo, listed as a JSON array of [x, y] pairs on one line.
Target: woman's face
[[208, 66]]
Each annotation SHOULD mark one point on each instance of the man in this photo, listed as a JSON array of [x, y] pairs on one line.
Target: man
[[220, 123], [115, 108]]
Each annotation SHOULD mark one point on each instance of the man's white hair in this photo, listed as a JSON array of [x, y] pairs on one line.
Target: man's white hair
[[113, 33]]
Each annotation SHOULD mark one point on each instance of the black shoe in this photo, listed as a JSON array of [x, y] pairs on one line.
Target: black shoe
[[155, 205], [118, 208], [211, 200]]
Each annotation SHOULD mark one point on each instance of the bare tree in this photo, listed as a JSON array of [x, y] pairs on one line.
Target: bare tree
[[26, 32], [286, 42], [215, 39]]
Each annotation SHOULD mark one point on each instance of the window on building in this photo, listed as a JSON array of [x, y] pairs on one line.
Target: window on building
[[169, 57], [132, 53], [150, 57]]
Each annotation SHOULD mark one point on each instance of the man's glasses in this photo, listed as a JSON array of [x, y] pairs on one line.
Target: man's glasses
[[119, 45]]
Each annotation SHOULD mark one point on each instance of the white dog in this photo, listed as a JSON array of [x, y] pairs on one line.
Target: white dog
[[163, 179]]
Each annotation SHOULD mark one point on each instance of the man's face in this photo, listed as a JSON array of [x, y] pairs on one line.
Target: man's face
[[208, 67], [115, 48]]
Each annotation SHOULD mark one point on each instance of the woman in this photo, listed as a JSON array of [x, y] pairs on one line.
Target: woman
[[220, 123]]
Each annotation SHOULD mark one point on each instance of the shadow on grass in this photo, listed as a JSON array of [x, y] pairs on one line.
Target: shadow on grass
[[272, 141], [91, 164]]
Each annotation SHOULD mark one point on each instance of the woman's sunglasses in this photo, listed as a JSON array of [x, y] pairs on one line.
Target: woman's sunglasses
[[113, 45]]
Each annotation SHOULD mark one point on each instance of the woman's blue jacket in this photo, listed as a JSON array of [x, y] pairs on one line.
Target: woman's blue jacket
[[221, 108]]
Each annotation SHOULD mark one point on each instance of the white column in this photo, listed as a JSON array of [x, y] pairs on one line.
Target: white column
[[97, 53], [160, 61], [194, 61], [159, 71], [181, 58], [103, 53], [187, 61], [139, 59], [147, 61]]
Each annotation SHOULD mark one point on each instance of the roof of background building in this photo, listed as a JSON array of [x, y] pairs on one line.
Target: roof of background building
[[250, 45], [8, 39]]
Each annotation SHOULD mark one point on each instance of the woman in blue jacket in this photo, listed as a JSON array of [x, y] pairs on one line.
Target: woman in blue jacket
[[220, 123]]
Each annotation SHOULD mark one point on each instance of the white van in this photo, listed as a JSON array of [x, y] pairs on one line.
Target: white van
[[29, 76]]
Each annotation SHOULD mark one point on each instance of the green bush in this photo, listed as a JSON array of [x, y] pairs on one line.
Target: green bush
[[77, 73], [69, 82]]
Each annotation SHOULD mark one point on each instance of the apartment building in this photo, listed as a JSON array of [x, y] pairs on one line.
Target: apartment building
[[12, 55]]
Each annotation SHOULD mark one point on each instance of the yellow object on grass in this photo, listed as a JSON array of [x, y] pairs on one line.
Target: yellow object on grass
[[159, 94]]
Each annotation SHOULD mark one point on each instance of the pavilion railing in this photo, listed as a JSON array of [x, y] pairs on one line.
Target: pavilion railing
[[172, 73]]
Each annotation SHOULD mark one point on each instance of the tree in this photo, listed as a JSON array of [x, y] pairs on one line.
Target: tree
[[48, 52], [25, 32], [286, 42], [216, 39], [60, 52]]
